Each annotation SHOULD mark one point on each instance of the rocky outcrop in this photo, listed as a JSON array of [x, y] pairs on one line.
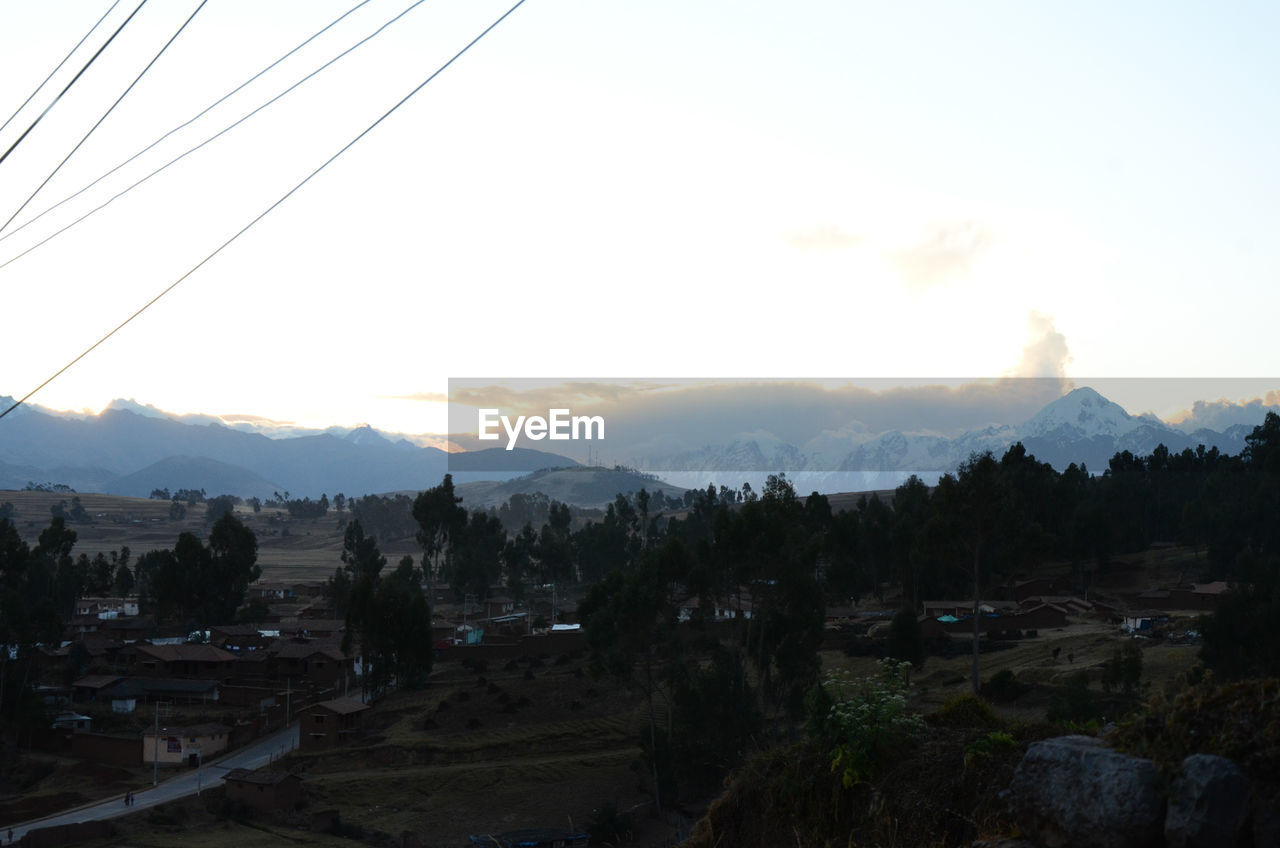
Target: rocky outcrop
[[1207, 804], [1072, 791]]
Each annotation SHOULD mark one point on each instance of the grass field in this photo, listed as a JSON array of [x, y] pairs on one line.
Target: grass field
[[296, 550]]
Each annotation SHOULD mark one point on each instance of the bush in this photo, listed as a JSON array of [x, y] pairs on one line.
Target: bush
[[1240, 721], [1123, 672], [1074, 703], [1003, 687], [906, 640], [965, 711], [985, 746], [864, 721]]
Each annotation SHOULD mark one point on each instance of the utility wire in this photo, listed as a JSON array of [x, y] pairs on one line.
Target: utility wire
[[211, 138], [60, 64], [154, 59], [92, 59], [188, 122], [266, 211]]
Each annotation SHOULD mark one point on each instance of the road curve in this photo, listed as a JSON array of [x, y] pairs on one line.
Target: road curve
[[255, 755]]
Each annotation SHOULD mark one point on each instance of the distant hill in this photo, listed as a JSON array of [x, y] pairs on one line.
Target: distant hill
[[123, 452], [194, 472], [579, 486]]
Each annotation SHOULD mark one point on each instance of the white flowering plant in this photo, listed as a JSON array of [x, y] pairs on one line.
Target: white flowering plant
[[865, 720]]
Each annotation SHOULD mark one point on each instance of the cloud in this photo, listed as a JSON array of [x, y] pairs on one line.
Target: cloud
[[945, 252], [1046, 355], [1222, 413], [705, 412], [824, 238], [426, 397], [526, 397]]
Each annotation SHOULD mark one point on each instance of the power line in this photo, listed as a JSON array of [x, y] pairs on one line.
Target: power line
[[92, 59], [154, 59], [60, 64], [186, 123], [191, 150], [266, 211]]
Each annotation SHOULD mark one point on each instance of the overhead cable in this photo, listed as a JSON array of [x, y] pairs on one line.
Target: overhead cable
[[186, 123], [266, 211], [59, 66], [154, 59], [211, 138], [92, 59]]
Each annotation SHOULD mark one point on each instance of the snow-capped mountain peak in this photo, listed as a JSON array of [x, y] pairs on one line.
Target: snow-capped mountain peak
[[1084, 413]]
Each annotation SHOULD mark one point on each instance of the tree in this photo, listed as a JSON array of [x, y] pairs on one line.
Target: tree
[[477, 559], [123, 579], [388, 615], [629, 627], [906, 640], [78, 513], [218, 506], [440, 516], [203, 585], [976, 512]]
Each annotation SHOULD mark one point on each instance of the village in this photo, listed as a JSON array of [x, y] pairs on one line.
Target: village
[[127, 694]]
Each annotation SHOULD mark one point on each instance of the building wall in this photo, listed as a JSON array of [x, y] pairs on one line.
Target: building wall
[[284, 795], [208, 747]]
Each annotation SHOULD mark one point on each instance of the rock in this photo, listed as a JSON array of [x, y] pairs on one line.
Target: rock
[[1207, 804], [1072, 791], [1266, 823]]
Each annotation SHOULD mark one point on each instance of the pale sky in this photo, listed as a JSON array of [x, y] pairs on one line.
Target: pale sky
[[617, 188]]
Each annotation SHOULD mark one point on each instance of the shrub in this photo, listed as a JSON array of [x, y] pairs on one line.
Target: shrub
[[906, 640], [864, 720], [1074, 703], [1003, 687], [1240, 721], [965, 711], [985, 746], [1123, 672]]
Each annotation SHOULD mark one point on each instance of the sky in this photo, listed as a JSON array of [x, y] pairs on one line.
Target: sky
[[619, 190]]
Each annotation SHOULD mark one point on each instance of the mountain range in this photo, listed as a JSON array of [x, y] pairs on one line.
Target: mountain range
[[130, 449], [1081, 427], [123, 452]]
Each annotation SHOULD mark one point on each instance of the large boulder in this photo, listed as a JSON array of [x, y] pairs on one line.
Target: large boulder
[[1208, 803], [1072, 791]]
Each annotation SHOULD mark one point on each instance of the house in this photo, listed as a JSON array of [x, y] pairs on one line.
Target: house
[[88, 688], [314, 628], [1038, 617], [107, 608], [270, 590], [722, 609], [263, 790], [329, 724], [1142, 621], [148, 689], [539, 837], [320, 663], [959, 609], [204, 661], [72, 721], [178, 745], [1072, 604], [237, 638]]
